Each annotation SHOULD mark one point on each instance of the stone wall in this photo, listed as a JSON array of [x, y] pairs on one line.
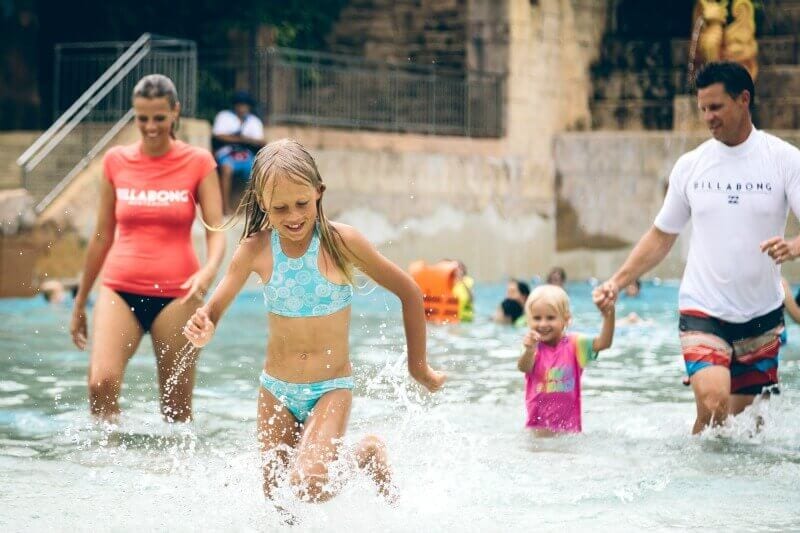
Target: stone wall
[[552, 43], [422, 197], [423, 32], [611, 186], [642, 67], [487, 36], [491, 203], [13, 143]]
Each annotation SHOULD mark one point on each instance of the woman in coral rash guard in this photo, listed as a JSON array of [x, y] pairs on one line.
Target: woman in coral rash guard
[[152, 281]]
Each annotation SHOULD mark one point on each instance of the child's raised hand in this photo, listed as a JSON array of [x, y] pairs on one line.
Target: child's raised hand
[[607, 309], [199, 328], [531, 339], [605, 296]]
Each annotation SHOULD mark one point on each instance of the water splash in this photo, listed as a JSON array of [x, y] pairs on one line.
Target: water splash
[[462, 459], [186, 357]]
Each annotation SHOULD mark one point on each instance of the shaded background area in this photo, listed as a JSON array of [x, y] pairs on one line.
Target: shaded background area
[[226, 32], [29, 29]]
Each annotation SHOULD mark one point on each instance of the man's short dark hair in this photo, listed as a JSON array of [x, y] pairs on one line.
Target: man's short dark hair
[[733, 76], [523, 288], [512, 309], [243, 97]]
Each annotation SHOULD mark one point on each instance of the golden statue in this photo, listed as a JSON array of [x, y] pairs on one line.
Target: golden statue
[[710, 40], [740, 37]]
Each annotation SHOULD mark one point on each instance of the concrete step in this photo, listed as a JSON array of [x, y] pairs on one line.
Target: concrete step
[[780, 18], [778, 80], [773, 81], [8, 181], [674, 53], [631, 114], [64, 157], [770, 112], [637, 85], [13, 144]]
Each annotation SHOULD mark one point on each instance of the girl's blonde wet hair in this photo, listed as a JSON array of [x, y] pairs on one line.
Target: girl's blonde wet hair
[[552, 295], [288, 158]]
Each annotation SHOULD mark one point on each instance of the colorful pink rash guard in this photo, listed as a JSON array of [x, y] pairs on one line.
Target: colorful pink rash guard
[[553, 386]]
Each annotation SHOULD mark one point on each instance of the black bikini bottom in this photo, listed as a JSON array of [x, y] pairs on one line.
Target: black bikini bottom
[[145, 308]]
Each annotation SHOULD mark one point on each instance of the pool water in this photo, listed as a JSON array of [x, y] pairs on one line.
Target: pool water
[[462, 459]]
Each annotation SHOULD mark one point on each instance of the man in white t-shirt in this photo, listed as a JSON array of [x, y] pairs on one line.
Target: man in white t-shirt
[[237, 134], [736, 189]]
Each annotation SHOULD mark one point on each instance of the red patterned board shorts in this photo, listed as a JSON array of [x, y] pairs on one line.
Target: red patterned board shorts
[[750, 350]]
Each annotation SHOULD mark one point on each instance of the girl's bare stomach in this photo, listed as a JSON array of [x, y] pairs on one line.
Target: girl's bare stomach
[[309, 349], [307, 367]]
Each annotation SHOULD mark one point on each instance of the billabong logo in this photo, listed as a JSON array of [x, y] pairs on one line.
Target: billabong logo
[[737, 187], [152, 197]]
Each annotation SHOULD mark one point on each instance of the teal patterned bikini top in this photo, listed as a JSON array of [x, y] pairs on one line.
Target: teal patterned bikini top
[[297, 287]]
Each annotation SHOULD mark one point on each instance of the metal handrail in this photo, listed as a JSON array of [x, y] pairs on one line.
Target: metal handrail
[[84, 162], [84, 110], [100, 112], [28, 154]]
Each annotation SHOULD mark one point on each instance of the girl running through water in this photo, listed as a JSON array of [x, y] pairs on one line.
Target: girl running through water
[[306, 263]]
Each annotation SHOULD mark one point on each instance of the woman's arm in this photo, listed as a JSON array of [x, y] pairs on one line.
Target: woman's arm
[[97, 250], [388, 275], [209, 197], [603, 341]]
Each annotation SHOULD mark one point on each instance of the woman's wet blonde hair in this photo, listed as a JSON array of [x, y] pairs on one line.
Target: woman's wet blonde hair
[[288, 158], [552, 295]]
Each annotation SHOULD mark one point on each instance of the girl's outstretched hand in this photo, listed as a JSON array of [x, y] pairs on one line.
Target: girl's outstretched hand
[[531, 339], [199, 328]]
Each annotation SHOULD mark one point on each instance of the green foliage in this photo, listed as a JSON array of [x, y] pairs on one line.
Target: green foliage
[[299, 23]]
